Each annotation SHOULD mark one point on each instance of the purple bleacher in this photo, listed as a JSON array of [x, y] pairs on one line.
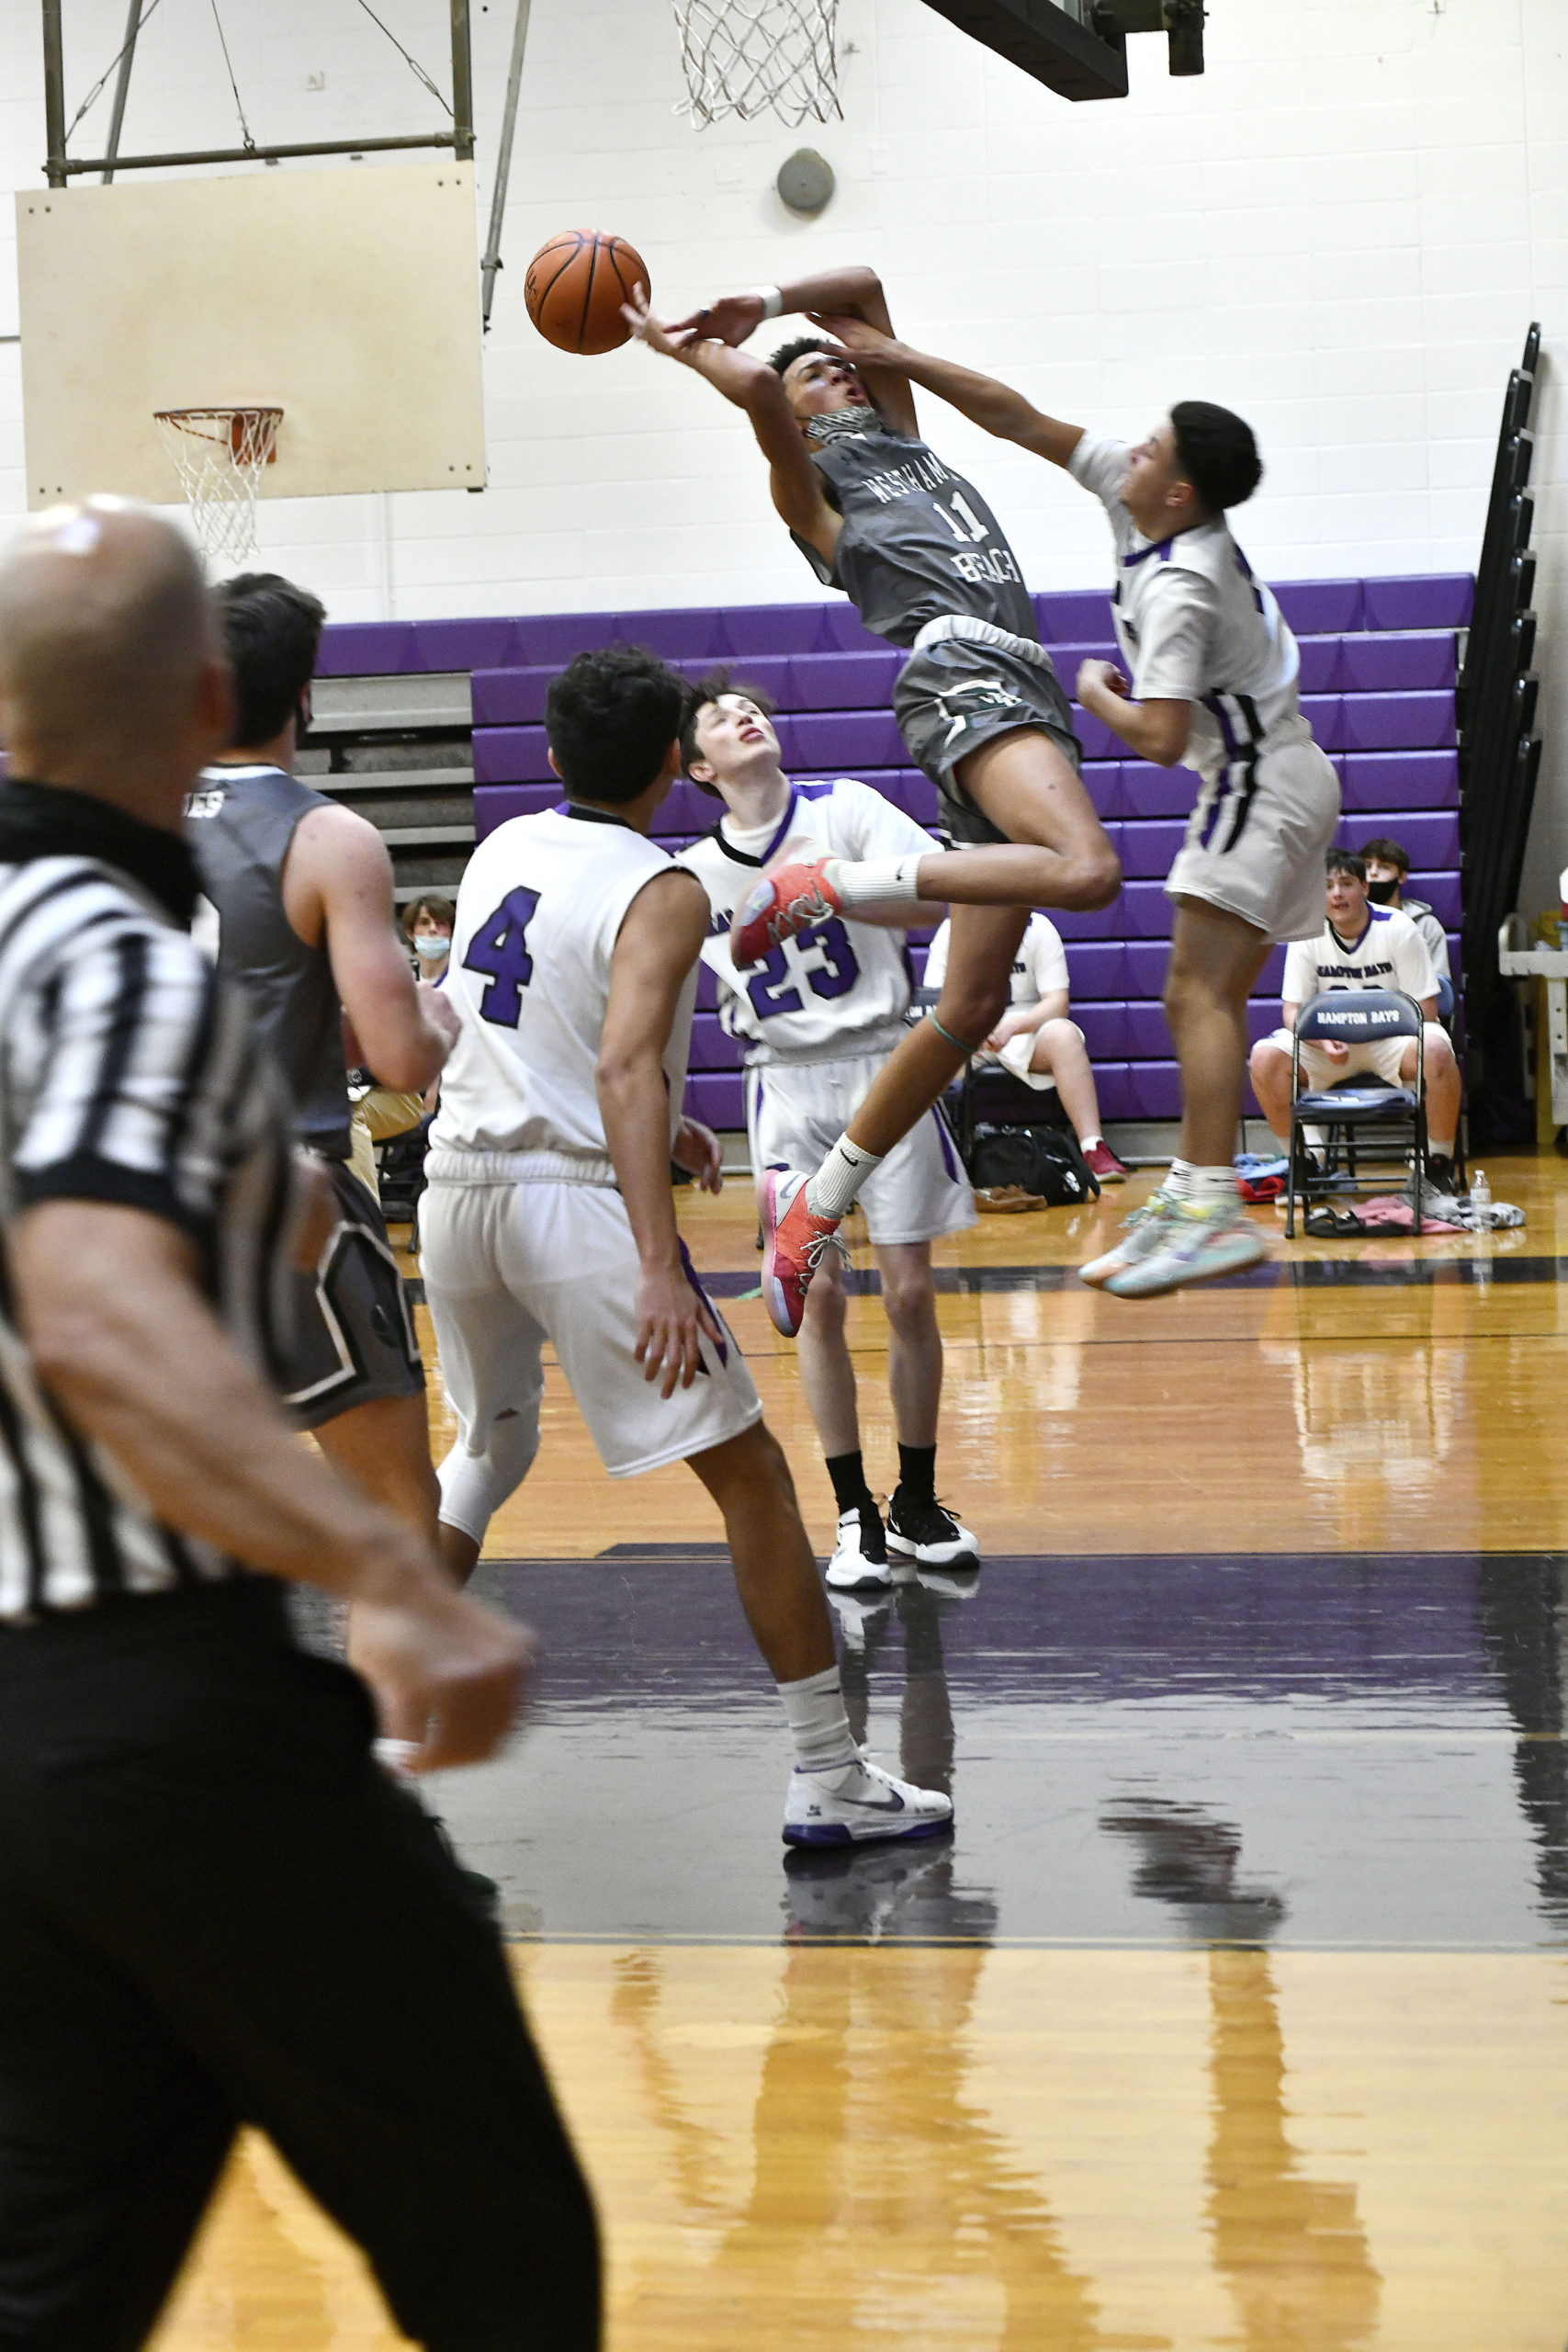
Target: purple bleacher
[[1400, 780], [1431, 839], [838, 680], [366, 649], [1397, 663], [1148, 848], [1070, 617], [1377, 685], [1104, 1029], [1321, 607], [1395, 722], [1427, 600], [718, 1101]]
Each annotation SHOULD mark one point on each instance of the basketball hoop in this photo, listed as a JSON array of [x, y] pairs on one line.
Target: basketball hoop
[[218, 453], [743, 56]]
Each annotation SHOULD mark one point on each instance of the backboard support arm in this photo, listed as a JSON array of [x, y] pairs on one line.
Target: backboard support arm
[[492, 262], [122, 84], [54, 92], [462, 84]]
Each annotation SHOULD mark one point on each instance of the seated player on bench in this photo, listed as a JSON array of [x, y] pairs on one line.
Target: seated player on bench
[[1362, 946], [1035, 1040]]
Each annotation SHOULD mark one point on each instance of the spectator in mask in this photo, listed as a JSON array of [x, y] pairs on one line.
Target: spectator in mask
[[1388, 869], [427, 927]]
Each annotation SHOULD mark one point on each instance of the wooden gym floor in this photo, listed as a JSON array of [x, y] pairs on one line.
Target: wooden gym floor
[[1235, 2014]]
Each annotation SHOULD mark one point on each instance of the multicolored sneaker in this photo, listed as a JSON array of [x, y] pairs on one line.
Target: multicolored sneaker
[[1196, 1242], [789, 899], [794, 1240], [1138, 1237]]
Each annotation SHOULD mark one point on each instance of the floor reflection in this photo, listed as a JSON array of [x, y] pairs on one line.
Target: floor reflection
[[1293, 2249], [1385, 1731]]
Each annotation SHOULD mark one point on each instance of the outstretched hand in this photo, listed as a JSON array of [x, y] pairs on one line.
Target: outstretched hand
[[672, 342], [853, 339], [732, 319]]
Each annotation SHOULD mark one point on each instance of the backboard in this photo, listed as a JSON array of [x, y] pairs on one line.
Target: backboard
[[349, 299]]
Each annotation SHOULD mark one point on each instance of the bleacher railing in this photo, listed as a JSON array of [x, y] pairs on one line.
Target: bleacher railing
[[1499, 750]]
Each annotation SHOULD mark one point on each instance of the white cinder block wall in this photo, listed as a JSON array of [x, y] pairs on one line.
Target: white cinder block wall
[[1343, 231]]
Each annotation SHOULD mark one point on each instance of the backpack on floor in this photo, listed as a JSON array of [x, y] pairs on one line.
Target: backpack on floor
[[1046, 1161]]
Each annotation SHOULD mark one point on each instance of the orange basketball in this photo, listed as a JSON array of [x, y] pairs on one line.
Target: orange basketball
[[575, 287]]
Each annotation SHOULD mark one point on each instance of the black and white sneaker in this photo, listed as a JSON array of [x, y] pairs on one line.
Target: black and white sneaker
[[859, 1555], [928, 1534]]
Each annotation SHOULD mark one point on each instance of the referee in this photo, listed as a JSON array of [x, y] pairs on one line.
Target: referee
[[214, 1908]]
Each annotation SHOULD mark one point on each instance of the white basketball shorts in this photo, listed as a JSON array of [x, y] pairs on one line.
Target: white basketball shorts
[[796, 1111], [509, 1266], [1256, 841], [1380, 1059]]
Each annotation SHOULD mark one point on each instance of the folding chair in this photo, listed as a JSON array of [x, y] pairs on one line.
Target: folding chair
[[1361, 1118]]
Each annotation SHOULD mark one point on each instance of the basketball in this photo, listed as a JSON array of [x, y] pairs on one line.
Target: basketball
[[575, 287]]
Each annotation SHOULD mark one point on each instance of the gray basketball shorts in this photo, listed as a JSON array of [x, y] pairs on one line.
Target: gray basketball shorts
[[956, 694], [353, 1335]]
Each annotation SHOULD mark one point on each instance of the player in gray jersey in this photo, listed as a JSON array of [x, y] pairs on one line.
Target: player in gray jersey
[[1210, 679], [879, 515], [302, 890]]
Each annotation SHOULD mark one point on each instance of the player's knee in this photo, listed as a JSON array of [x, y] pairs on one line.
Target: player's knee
[[1270, 1067], [908, 1299], [1095, 880], [1438, 1050], [970, 1009], [474, 1486]]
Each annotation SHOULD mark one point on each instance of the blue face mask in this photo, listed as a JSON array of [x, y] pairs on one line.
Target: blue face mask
[[433, 946]]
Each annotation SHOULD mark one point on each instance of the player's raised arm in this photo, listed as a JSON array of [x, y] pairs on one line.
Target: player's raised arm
[[994, 406], [853, 293], [657, 943], [747, 383]]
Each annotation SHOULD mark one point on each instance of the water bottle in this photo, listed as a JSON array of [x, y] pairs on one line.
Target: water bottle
[[1481, 1200]]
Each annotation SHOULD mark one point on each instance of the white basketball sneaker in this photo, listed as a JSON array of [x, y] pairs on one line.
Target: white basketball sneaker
[[856, 1802], [1140, 1239], [859, 1554], [1196, 1242]]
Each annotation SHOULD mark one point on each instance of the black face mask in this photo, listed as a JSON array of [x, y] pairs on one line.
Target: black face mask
[[1382, 893]]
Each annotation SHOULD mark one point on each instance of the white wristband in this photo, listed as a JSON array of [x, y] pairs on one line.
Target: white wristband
[[771, 299]]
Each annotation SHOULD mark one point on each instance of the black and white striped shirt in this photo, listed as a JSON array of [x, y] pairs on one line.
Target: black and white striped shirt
[[129, 1075]]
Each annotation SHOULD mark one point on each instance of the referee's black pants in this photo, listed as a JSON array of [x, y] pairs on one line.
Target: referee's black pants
[[216, 1910]]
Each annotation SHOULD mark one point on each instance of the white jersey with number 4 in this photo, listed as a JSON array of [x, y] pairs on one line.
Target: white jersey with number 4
[[837, 989], [539, 914], [1195, 625]]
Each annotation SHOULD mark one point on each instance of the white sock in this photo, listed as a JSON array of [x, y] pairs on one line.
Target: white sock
[[814, 1708], [1437, 1150], [880, 881], [831, 1191], [1208, 1187], [1176, 1183], [1087, 1143]]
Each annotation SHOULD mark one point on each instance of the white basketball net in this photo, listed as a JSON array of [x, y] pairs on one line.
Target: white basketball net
[[743, 56], [218, 453]]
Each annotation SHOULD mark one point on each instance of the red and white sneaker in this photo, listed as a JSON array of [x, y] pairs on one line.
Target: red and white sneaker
[[789, 899], [1101, 1161], [794, 1243]]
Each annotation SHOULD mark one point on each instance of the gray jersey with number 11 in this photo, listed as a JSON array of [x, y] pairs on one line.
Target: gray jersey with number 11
[[538, 914], [918, 540]]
